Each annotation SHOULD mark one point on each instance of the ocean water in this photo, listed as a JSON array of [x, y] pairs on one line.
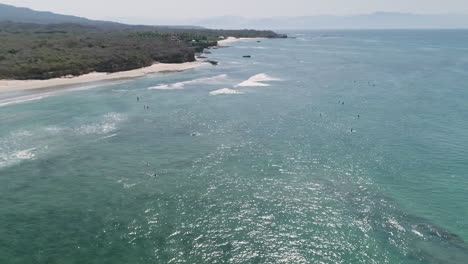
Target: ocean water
[[333, 147]]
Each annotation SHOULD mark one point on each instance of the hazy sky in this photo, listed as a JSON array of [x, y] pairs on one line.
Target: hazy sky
[[178, 9]]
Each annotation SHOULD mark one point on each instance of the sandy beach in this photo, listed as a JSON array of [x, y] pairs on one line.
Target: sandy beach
[[233, 39], [19, 85]]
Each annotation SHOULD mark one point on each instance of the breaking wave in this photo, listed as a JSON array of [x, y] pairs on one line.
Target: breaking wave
[[16, 147], [219, 79], [22, 145], [225, 91], [108, 124], [258, 80], [22, 99], [40, 96]]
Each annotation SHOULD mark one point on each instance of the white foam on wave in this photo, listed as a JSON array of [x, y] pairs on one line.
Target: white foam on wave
[[225, 91], [18, 100], [397, 225], [43, 95], [218, 79], [417, 233], [109, 136], [11, 158], [53, 129], [105, 125], [16, 147], [22, 145], [258, 80], [25, 154], [108, 124]]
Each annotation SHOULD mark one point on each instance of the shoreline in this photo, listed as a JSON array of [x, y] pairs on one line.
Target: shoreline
[[23, 85], [233, 39], [7, 86]]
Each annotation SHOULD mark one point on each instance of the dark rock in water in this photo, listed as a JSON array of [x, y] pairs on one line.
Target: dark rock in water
[[201, 57], [247, 56], [207, 52], [258, 41], [212, 62]]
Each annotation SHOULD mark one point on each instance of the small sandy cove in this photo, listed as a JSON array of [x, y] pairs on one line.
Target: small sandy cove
[[233, 39], [19, 85]]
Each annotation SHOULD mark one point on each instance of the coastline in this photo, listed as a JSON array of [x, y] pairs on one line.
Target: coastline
[[22, 85], [233, 39]]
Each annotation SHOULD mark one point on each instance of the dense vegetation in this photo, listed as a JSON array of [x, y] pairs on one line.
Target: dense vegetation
[[38, 51]]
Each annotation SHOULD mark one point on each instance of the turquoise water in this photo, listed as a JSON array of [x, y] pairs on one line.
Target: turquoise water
[[347, 147]]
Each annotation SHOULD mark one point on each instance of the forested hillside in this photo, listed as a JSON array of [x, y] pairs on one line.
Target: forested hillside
[[58, 45]]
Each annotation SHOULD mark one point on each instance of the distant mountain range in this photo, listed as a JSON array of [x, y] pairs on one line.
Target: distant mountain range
[[378, 20], [27, 15]]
